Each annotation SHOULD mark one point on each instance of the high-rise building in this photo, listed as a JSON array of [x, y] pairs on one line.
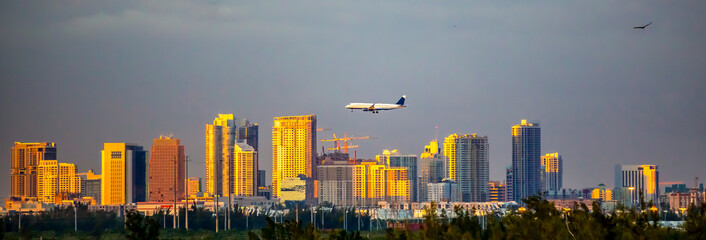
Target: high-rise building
[[526, 152], [553, 171], [336, 183], [23, 169], [220, 139], [243, 180], [293, 149], [194, 184], [55, 178], [397, 186], [394, 159], [444, 191], [469, 156], [432, 169], [166, 171], [368, 183], [261, 178], [248, 133], [637, 180], [508, 184], [91, 185], [124, 168], [496, 191]]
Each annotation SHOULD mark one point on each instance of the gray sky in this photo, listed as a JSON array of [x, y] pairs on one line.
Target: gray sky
[[81, 73]]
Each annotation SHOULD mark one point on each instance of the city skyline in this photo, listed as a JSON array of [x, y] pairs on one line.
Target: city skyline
[[604, 93]]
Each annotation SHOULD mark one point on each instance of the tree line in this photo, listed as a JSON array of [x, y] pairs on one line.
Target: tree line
[[540, 219]]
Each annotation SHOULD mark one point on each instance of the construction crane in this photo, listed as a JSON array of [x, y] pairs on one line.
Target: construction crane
[[322, 129], [345, 140]]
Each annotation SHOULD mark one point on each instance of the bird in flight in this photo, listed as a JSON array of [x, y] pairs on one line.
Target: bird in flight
[[642, 27]]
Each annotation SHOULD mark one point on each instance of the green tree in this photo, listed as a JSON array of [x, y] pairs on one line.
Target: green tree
[[139, 227], [695, 222]]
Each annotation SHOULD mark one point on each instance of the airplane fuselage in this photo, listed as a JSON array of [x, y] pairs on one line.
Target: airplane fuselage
[[375, 107], [371, 106]]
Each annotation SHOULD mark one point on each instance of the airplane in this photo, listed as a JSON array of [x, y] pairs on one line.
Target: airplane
[[375, 107]]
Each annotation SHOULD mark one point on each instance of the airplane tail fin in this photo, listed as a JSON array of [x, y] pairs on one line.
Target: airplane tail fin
[[401, 101]]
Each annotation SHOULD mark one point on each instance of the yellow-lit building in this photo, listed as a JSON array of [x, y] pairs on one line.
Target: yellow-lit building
[[602, 193], [25, 159], [553, 171], [373, 182], [244, 170], [194, 185], [47, 184], [397, 188], [633, 180], [468, 165], [55, 178], [450, 154], [293, 149], [220, 139], [124, 174], [497, 191]]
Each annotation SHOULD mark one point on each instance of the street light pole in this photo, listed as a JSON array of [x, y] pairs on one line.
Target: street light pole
[[176, 167], [75, 218], [186, 193]]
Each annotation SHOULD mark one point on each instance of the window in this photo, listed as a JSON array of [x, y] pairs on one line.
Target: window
[[116, 155]]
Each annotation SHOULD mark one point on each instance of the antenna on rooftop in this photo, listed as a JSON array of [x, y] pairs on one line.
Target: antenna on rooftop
[[436, 133]]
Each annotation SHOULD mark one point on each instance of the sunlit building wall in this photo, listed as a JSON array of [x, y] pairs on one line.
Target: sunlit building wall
[[636, 180], [194, 184], [293, 149], [526, 162], [69, 182], [297, 189], [409, 162], [124, 172], [47, 184], [553, 171], [497, 192], [432, 169], [166, 170], [470, 159], [244, 170], [25, 158], [220, 139], [397, 186], [369, 183]]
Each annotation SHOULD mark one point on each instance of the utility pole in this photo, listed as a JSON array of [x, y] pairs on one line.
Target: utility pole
[[186, 193], [229, 208], [216, 207], [345, 220], [176, 167], [75, 218], [322, 218], [215, 186]]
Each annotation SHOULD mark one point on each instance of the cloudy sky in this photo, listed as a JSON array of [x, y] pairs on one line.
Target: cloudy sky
[[81, 73]]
